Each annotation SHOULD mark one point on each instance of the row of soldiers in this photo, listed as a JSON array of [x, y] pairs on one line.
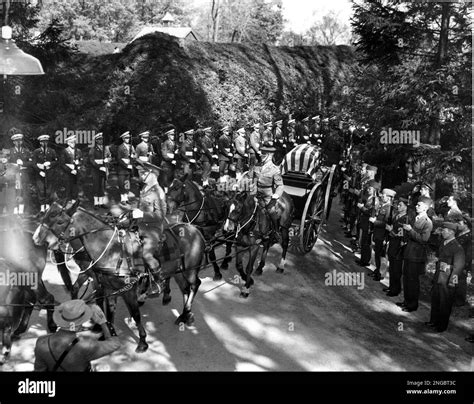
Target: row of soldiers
[[229, 154], [405, 227]]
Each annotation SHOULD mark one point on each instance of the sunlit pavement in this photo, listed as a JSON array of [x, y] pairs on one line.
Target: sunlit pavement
[[290, 322]]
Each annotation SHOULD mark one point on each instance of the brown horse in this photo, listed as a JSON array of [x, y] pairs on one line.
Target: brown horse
[[112, 253], [21, 260], [206, 212], [253, 228]]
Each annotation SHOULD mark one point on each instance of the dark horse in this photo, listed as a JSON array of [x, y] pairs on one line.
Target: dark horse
[[20, 257], [206, 212], [253, 228], [111, 251]]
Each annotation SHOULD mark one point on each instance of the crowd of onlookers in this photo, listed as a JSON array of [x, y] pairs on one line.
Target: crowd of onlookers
[[406, 226]]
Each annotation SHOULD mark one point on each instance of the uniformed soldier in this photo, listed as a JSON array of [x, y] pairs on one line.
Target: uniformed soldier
[[125, 156], [418, 232], [367, 206], [70, 163], [99, 158], [315, 129], [279, 142], [464, 238], [396, 246], [448, 271], [254, 143], [240, 156], [291, 134], [168, 165], [267, 136], [21, 156], [380, 220], [144, 149], [224, 146], [305, 132], [44, 162], [206, 147], [150, 215], [269, 183], [187, 153]]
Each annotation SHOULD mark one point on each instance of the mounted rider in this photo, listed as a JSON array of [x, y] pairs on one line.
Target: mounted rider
[[150, 217], [269, 183]]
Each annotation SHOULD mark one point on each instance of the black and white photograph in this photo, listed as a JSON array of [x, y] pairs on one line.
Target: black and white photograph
[[253, 187]]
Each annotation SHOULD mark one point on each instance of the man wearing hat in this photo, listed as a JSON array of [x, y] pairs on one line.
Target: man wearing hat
[[224, 146], [414, 257], [144, 149], [168, 164], [254, 143], [303, 129], [367, 205], [269, 183], [70, 163], [187, 153], [20, 156], [66, 350], [446, 280], [151, 216], [206, 147], [125, 156], [315, 127], [291, 133], [44, 161], [99, 158], [396, 246], [267, 136], [240, 156], [383, 214]]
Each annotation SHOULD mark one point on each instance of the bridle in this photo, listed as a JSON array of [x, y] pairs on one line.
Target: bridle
[[250, 220], [188, 204]]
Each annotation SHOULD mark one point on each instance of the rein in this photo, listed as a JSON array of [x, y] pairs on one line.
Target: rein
[[251, 218]]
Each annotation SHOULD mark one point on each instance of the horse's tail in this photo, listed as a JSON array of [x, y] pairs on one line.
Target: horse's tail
[[63, 270]]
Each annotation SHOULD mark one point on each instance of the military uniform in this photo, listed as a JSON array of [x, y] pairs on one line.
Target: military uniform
[[44, 162], [291, 137], [414, 258], [278, 141], [206, 147], [70, 164], [125, 154], [22, 157], [99, 156], [145, 152], [254, 150], [240, 147], [269, 182], [224, 145], [396, 245], [450, 265], [382, 218], [187, 155], [168, 164], [369, 203], [267, 136]]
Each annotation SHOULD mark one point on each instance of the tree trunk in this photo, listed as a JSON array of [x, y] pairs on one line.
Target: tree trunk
[[435, 126], [215, 15]]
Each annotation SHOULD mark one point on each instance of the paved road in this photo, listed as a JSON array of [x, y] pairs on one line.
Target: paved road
[[290, 322]]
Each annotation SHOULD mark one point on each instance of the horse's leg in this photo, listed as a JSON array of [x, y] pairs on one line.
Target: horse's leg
[[285, 240], [111, 306], [263, 257], [228, 257], [217, 272], [249, 281], [167, 293], [191, 282], [239, 265], [185, 288], [6, 343], [130, 298]]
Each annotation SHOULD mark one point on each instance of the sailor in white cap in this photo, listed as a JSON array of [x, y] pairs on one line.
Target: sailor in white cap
[[43, 164], [125, 157], [168, 164], [70, 163], [20, 156], [99, 157], [240, 155], [206, 147], [267, 136], [144, 149]]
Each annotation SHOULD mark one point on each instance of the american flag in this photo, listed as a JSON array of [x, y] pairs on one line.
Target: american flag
[[302, 159]]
